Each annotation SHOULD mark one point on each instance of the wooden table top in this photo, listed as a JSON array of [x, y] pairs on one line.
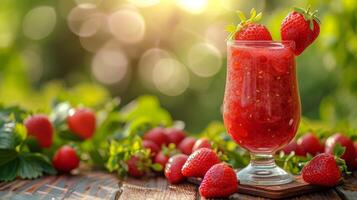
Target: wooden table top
[[101, 185]]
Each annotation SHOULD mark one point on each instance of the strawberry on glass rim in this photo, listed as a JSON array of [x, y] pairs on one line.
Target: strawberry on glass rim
[[302, 27], [248, 29]]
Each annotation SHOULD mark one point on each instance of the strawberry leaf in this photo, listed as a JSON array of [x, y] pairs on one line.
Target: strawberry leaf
[[339, 150], [26, 165], [7, 155], [156, 167]]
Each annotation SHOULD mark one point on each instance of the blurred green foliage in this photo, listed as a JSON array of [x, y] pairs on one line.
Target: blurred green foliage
[[327, 70]]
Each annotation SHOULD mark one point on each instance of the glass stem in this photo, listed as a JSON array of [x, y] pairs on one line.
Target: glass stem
[[262, 160]]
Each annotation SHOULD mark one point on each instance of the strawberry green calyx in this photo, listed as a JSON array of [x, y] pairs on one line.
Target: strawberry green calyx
[[338, 151], [233, 29], [309, 16]]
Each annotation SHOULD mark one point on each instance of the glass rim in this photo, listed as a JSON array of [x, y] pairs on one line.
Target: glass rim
[[266, 43]]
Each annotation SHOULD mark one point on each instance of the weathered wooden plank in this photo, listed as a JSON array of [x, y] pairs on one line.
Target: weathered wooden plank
[[156, 188], [349, 189], [91, 185]]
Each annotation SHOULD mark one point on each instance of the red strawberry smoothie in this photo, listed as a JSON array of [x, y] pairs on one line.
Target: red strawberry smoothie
[[261, 103]]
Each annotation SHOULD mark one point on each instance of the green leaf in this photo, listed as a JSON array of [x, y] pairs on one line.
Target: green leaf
[[231, 28], [8, 139], [59, 113], [312, 24], [253, 13], [8, 171], [18, 113], [299, 10], [258, 17], [338, 150], [156, 167], [7, 155], [241, 15]]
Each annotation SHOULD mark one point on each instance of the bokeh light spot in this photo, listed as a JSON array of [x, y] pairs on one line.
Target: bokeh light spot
[[170, 77], [144, 3], [204, 59], [193, 6], [85, 21], [127, 26], [88, 3], [110, 65], [147, 63], [39, 22]]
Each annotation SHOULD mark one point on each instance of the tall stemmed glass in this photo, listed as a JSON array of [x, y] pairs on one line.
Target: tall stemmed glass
[[261, 105]]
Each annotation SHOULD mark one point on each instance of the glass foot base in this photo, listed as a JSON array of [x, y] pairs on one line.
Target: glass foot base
[[263, 175]]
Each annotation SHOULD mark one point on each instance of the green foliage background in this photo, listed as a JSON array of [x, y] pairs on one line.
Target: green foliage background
[[327, 70]]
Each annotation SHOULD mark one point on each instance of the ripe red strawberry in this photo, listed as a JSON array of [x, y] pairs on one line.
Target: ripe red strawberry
[[134, 167], [40, 127], [293, 146], [161, 158], [186, 145], [322, 170], [157, 135], [219, 181], [302, 27], [248, 29], [201, 143], [199, 162], [65, 159], [173, 168], [175, 135], [349, 156], [309, 143], [152, 146], [82, 122]]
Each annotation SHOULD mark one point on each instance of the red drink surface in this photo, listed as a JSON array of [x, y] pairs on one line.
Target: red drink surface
[[261, 103]]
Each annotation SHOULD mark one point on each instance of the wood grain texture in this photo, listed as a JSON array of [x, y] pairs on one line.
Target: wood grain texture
[[296, 188], [93, 185], [156, 188], [349, 189]]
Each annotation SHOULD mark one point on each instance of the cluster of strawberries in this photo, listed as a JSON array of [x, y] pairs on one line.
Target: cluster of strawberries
[[80, 122], [193, 158], [326, 167]]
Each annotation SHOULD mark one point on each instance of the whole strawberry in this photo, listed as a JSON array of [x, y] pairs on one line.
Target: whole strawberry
[[175, 135], [219, 181], [322, 170], [310, 144], [293, 147], [201, 143], [302, 27], [157, 135], [82, 122], [154, 149], [134, 167], [40, 127], [161, 158], [186, 145], [65, 159], [248, 29], [349, 156], [199, 162], [173, 168]]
